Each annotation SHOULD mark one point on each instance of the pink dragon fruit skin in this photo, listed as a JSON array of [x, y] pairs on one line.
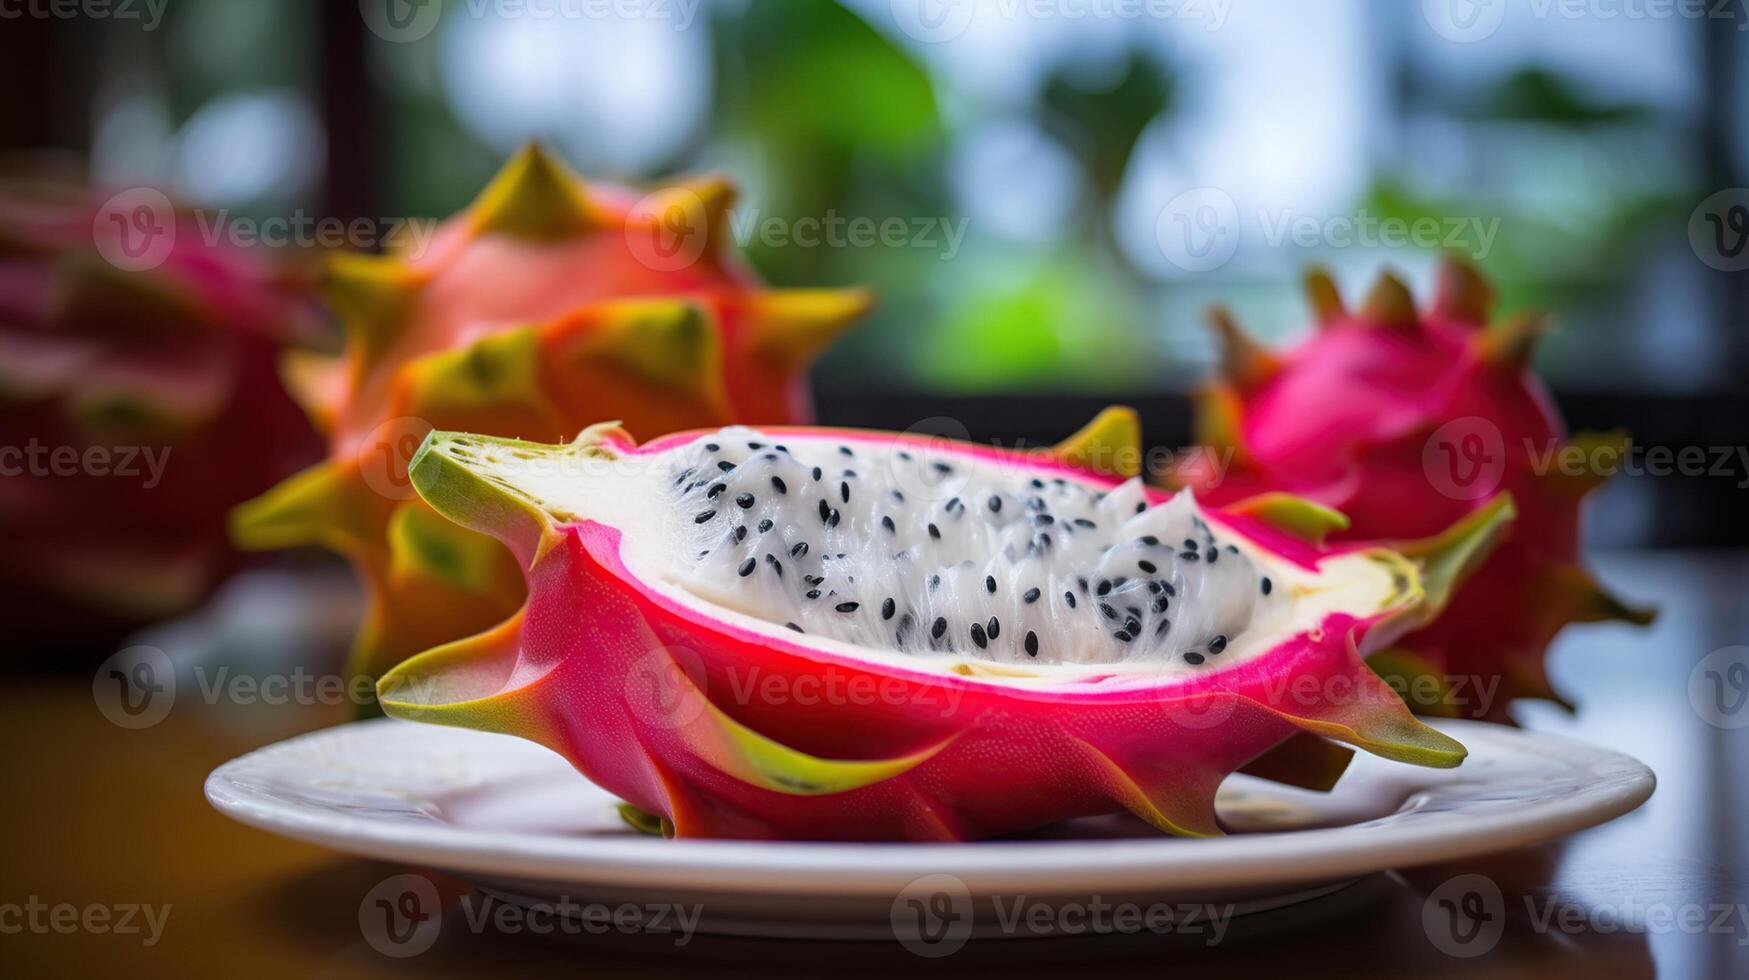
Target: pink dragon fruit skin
[[648, 696], [162, 382], [1406, 421]]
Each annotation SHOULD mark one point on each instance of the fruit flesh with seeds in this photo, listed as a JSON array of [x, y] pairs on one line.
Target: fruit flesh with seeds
[[547, 305], [733, 705], [1405, 421]]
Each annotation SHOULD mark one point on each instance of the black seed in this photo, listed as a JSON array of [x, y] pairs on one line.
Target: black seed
[[777, 484], [904, 630], [765, 525], [1161, 604], [725, 465], [776, 565], [1147, 567], [1141, 506], [1031, 596], [1189, 544], [1069, 597], [1168, 587], [939, 628], [704, 516], [1081, 580], [746, 568], [1035, 503], [1212, 556], [780, 447], [942, 468], [1104, 587], [1149, 540], [844, 491], [1042, 542], [898, 497], [978, 637], [847, 607], [846, 450], [741, 533], [1154, 587], [684, 474], [833, 520], [716, 490], [756, 446], [994, 627], [850, 473], [704, 552], [995, 505], [800, 549], [1117, 583], [825, 510], [935, 532], [1106, 610], [887, 608], [1266, 585], [711, 447], [905, 456], [1124, 635], [934, 582], [1160, 630], [1043, 520], [1084, 522], [770, 456], [813, 593], [1189, 555], [813, 579], [1193, 658], [816, 472], [1037, 484], [990, 584], [1031, 643], [952, 502], [793, 626], [1132, 625], [1217, 644], [887, 522], [744, 501]]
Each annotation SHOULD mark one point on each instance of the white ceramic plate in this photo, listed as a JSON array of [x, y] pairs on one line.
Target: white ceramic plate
[[518, 819]]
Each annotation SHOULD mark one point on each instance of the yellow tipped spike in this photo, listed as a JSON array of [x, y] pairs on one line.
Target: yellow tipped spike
[[704, 201], [324, 505], [1217, 420], [1244, 361], [795, 325], [1111, 444], [317, 382], [371, 295], [1462, 293], [426, 545], [1512, 341], [668, 342], [1600, 451], [1307, 520], [494, 374], [1323, 296], [1390, 304], [536, 197]]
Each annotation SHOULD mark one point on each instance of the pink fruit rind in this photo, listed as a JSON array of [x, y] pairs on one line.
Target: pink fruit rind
[[732, 730]]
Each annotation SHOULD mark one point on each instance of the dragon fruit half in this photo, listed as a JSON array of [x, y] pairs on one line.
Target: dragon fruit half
[[140, 403], [1405, 422], [545, 306], [811, 633]]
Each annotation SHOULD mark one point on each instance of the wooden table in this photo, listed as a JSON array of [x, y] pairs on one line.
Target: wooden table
[[99, 816]]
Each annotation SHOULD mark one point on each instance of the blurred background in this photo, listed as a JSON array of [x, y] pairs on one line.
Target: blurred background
[[1038, 173]]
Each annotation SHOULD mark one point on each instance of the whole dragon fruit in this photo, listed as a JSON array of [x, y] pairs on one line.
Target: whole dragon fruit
[[136, 366], [810, 633], [1406, 421], [545, 306]]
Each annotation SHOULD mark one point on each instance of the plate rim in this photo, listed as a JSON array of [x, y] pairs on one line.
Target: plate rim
[[853, 869]]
